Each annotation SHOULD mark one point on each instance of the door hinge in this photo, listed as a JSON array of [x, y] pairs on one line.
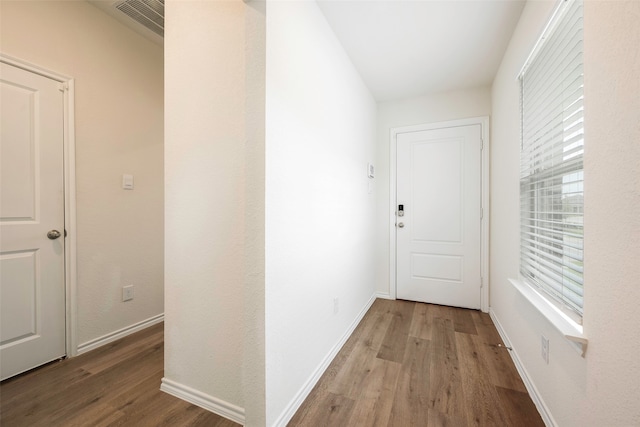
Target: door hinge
[[64, 86], [481, 282], [481, 212]]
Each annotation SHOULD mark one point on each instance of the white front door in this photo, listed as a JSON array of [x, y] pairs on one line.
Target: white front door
[[32, 293], [438, 202]]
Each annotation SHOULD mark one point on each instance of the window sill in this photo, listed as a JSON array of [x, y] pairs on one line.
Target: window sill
[[572, 331]]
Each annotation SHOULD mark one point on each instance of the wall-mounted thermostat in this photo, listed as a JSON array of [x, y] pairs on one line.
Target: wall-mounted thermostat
[[370, 170]]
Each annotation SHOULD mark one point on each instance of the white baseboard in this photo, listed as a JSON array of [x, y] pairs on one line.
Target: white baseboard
[[203, 400], [383, 295], [303, 393], [531, 388], [120, 333]]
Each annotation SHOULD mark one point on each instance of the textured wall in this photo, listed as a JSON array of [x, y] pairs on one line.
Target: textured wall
[[602, 388], [320, 135], [253, 381], [612, 213], [119, 129], [205, 196]]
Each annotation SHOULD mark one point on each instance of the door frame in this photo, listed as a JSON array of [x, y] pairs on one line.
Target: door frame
[[69, 145], [484, 197]]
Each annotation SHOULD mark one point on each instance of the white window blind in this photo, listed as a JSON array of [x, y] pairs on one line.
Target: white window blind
[[551, 179]]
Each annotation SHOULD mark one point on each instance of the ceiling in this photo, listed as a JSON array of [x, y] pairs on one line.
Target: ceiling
[[402, 48], [408, 48]]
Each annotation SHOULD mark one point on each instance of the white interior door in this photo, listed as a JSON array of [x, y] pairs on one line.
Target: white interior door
[[438, 235], [32, 294]]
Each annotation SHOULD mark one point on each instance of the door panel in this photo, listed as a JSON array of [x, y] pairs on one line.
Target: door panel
[[32, 294], [434, 162], [438, 246], [19, 290], [18, 152]]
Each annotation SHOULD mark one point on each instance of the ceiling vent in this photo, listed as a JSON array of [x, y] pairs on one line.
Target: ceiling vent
[[149, 13]]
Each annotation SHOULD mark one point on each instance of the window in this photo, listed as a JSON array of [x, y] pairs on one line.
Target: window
[[551, 178]]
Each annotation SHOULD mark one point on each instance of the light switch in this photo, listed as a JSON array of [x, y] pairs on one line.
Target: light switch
[[127, 182]]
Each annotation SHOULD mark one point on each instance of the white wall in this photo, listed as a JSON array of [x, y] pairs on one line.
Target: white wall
[[425, 109], [119, 113], [602, 388], [320, 135], [205, 176]]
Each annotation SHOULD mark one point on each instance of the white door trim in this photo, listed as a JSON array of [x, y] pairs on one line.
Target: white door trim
[[484, 228], [69, 193]]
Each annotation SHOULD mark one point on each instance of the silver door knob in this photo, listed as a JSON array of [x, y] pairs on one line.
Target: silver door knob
[[53, 234], [401, 224]]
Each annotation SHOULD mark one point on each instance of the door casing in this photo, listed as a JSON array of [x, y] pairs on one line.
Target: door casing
[[484, 228], [69, 194]]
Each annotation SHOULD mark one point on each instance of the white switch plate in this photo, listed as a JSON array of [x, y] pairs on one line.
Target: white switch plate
[[370, 170], [127, 293], [127, 182]]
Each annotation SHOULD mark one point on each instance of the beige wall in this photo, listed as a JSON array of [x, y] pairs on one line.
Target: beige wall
[[119, 129], [600, 389], [207, 205]]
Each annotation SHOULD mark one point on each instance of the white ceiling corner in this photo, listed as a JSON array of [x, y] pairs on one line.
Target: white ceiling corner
[[405, 48]]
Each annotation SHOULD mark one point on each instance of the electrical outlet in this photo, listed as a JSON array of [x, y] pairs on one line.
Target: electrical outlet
[[545, 348], [336, 305], [127, 293]]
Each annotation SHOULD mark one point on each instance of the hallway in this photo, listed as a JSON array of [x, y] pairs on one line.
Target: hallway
[[405, 364]]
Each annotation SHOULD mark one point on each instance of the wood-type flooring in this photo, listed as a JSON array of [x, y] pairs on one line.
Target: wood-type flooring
[[115, 385], [406, 364], [414, 364]]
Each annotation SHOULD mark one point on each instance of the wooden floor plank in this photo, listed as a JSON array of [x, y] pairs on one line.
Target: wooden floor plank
[[95, 388], [362, 358], [421, 322], [445, 393], [481, 398], [519, 408], [372, 405], [119, 355], [395, 339], [309, 407], [372, 332], [152, 409], [349, 379], [101, 415], [463, 321], [497, 357], [485, 327], [411, 399], [436, 419], [135, 400], [24, 399], [331, 410]]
